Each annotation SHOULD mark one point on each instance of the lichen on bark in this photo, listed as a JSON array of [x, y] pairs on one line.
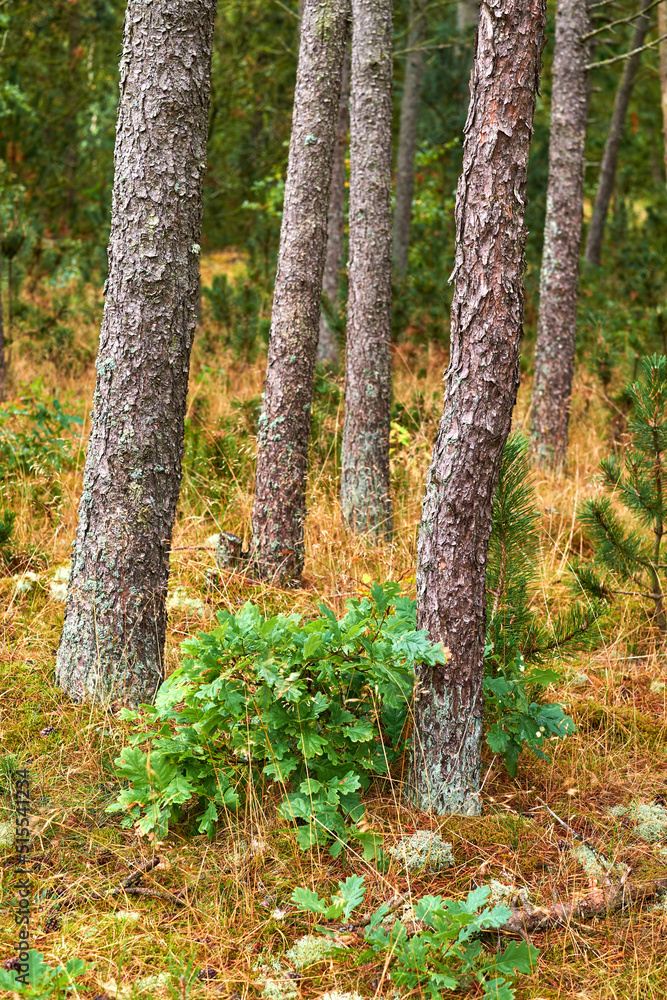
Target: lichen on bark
[[559, 280], [365, 496], [115, 620], [279, 509], [480, 391]]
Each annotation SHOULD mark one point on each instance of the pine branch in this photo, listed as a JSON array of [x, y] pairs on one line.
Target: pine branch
[[621, 20], [626, 55]]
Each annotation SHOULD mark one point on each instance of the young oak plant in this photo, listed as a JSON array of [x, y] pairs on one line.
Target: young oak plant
[[316, 707], [446, 954]]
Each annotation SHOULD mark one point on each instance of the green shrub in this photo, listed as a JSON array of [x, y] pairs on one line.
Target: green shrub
[[447, 954], [317, 707], [43, 981], [35, 442], [238, 308]]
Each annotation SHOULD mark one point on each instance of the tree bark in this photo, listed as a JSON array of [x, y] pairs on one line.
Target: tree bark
[[407, 136], [480, 392], [365, 499], [327, 347], [113, 637], [557, 319], [662, 31], [610, 156], [282, 457]]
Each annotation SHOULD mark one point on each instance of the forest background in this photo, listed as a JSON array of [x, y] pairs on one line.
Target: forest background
[[58, 100]]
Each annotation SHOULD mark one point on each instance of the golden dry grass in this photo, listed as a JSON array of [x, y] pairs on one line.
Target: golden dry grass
[[235, 883]]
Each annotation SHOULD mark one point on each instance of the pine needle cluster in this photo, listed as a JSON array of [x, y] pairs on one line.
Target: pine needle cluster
[[514, 626], [628, 546]]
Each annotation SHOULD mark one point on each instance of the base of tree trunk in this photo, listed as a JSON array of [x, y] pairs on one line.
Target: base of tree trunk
[[446, 767]]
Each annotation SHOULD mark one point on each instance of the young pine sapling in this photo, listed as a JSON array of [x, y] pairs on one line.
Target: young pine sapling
[[629, 557]]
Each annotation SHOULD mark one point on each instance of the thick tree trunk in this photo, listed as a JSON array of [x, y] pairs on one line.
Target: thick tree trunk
[[365, 498], [407, 136], [467, 14], [481, 386], [113, 637], [282, 457], [557, 320], [327, 347], [610, 156], [662, 31], [3, 368]]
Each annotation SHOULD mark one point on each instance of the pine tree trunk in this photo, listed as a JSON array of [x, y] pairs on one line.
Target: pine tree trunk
[[327, 347], [407, 136], [113, 637], [557, 320], [481, 386], [610, 156], [365, 499], [662, 31], [282, 447], [3, 367]]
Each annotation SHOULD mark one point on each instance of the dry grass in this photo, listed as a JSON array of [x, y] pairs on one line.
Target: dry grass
[[236, 883]]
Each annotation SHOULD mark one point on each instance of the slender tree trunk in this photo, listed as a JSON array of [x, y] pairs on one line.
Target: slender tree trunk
[[407, 136], [113, 637], [610, 156], [327, 347], [365, 498], [481, 386], [557, 320], [3, 368], [662, 31], [467, 14], [282, 457]]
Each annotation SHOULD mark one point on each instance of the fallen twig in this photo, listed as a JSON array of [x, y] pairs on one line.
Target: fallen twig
[[147, 866], [595, 903]]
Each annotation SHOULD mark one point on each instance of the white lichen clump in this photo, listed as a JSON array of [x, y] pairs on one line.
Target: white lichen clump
[[308, 950], [657, 687], [149, 983], [279, 989], [58, 583], [507, 893], [274, 981], [179, 601], [24, 582], [7, 834], [337, 995], [424, 850], [212, 541], [650, 820], [594, 865]]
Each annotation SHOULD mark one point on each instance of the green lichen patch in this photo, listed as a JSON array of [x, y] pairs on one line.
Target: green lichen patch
[[308, 950], [423, 851], [650, 820]]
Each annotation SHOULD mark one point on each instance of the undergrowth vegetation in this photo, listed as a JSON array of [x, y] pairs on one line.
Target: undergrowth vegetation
[[281, 732]]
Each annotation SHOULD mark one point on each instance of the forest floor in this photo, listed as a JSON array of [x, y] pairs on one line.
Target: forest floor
[[236, 907]]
